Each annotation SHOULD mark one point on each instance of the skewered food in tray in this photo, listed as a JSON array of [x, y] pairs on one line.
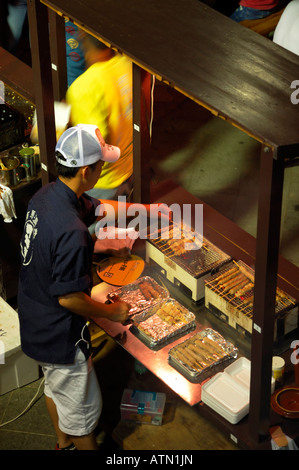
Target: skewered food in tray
[[140, 294], [149, 290], [194, 253], [229, 294], [163, 321], [201, 353], [239, 282], [179, 240]]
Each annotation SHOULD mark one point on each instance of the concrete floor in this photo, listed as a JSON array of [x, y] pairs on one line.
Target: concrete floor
[[34, 431], [220, 165]]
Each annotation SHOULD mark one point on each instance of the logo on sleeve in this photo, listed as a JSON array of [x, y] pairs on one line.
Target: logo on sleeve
[[30, 232]]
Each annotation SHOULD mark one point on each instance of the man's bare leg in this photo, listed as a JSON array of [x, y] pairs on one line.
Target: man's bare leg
[[87, 442], [63, 439]]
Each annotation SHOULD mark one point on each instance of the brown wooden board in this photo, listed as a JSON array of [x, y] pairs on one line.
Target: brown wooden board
[[17, 75], [236, 73]]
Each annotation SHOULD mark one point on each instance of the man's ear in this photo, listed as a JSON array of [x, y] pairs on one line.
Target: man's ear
[[85, 171]]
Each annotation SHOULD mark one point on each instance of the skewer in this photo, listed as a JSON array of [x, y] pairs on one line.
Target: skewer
[[230, 275], [167, 248], [239, 286], [279, 293], [247, 314], [223, 294], [279, 300], [211, 284], [248, 301], [162, 242], [218, 291]]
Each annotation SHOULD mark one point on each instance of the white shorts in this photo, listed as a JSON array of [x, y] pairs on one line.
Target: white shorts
[[76, 393]]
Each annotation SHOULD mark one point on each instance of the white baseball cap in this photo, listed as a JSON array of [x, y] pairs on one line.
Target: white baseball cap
[[84, 145]]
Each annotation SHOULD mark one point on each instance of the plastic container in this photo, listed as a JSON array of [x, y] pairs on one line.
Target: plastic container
[[144, 407], [227, 397], [278, 365], [228, 392], [240, 370], [29, 161]]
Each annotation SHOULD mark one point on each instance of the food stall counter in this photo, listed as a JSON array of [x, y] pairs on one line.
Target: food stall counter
[[155, 361]]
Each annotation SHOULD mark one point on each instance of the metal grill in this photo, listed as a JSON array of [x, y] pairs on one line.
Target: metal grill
[[203, 258], [235, 284]]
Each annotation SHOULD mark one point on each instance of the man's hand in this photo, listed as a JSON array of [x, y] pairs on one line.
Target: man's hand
[[81, 304], [119, 311]]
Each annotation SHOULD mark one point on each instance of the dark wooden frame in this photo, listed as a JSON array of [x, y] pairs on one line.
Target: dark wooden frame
[[230, 70]]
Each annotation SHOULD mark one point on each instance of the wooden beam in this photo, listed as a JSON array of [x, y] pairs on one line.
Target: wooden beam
[[266, 266], [141, 134], [42, 75], [17, 75], [58, 55]]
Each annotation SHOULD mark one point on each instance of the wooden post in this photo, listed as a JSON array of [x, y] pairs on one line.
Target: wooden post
[[58, 55], [267, 252], [42, 76], [142, 82]]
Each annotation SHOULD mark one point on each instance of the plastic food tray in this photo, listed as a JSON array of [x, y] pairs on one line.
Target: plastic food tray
[[228, 392], [141, 294], [211, 361], [240, 371], [157, 329], [226, 396]]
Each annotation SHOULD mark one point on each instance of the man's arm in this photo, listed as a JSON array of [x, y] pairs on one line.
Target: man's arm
[[81, 304]]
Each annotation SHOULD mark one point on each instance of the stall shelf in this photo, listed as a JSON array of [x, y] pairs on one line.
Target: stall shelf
[[233, 72]]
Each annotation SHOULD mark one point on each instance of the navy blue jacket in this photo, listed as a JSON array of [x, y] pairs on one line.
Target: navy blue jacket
[[56, 250]]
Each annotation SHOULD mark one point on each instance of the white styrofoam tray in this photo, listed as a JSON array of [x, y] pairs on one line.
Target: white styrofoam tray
[[228, 392], [232, 418], [240, 371]]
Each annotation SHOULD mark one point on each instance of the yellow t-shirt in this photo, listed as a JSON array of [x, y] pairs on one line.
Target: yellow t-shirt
[[102, 95]]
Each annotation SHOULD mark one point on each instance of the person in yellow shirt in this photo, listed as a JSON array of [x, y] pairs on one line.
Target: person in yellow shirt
[[102, 96]]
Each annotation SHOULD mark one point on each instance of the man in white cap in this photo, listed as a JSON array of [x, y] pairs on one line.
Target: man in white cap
[[54, 300]]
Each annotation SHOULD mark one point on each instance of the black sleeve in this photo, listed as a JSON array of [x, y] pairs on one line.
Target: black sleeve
[[71, 266]]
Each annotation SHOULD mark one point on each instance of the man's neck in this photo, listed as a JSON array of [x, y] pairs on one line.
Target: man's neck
[[73, 184]]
